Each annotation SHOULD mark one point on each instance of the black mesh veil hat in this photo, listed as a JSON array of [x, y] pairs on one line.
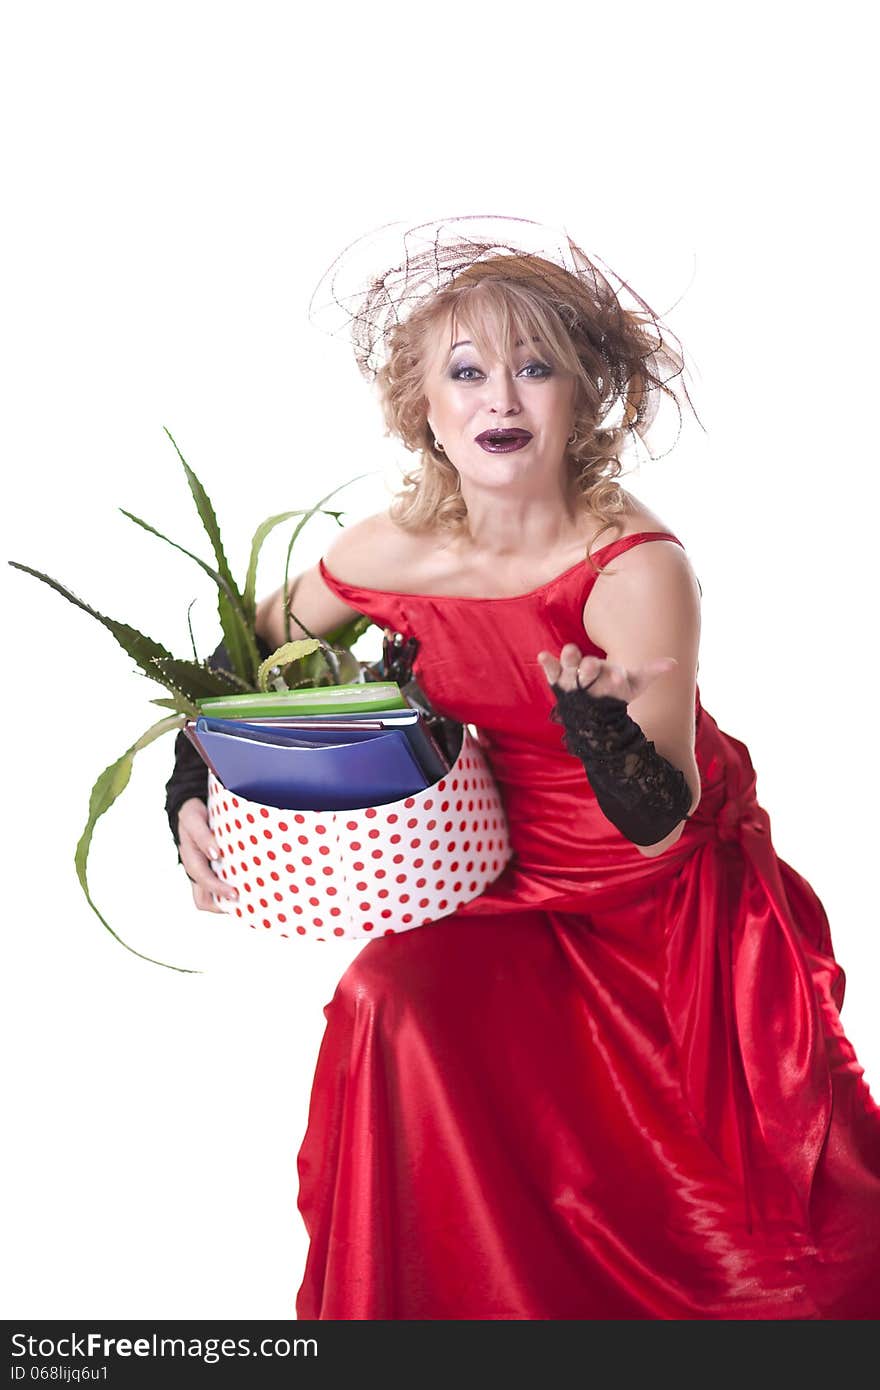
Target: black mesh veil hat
[[379, 279]]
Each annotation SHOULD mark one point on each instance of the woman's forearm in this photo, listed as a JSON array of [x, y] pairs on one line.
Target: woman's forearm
[[636, 787]]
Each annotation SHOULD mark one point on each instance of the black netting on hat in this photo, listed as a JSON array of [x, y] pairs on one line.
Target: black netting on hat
[[378, 280]]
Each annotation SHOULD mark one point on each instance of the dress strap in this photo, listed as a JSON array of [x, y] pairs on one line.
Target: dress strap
[[623, 543]]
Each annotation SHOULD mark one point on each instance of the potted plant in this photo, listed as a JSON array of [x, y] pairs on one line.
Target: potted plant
[[310, 661]]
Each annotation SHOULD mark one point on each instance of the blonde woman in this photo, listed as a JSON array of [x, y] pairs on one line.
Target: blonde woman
[[616, 1086]]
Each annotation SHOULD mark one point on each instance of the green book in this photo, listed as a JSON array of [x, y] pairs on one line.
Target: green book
[[355, 698]]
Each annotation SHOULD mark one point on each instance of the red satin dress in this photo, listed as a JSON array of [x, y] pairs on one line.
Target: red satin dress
[[612, 1087]]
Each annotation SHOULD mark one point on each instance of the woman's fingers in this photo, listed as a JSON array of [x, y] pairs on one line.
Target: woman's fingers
[[198, 850], [603, 677]]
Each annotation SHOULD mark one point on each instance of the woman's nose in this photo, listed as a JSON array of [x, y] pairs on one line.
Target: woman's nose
[[502, 393]]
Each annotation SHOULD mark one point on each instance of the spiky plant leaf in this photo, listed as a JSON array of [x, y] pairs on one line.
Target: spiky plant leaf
[[236, 627], [207, 514], [193, 679], [142, 649], [237, 632], [236, 685], [111, 783], [283, 656], [230, 591]]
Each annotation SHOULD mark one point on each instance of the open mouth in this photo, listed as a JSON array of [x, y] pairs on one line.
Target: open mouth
[[503, 441]]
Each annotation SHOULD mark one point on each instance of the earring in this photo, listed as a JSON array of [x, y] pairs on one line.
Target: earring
[[572, 437], [439, 447]]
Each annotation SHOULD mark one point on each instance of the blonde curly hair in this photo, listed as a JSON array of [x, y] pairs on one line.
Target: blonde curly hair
[[618, 357]]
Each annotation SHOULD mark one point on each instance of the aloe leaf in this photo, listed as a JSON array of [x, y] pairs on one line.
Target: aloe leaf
[[239, 638], [290, 651], [111, 783], [181, 706], [142, 649], [306, 517], [236, 684], [207, 515], [240, 642], [230, 591], [192, 679]]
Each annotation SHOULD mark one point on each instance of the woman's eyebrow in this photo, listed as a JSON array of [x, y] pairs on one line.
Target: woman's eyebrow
[[466, 342]]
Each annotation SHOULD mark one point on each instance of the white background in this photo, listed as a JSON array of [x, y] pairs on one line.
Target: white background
[[177, 178]]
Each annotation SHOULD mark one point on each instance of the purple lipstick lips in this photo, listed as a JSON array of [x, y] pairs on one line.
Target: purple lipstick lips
[[503, 441]]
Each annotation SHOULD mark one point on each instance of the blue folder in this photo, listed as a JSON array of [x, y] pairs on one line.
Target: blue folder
[[278, 768], [308, 733]]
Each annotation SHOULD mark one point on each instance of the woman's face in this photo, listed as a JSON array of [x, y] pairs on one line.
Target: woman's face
[[469, 397]]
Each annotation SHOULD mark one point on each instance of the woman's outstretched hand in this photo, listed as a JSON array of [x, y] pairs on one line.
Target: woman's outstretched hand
[[609, 678]]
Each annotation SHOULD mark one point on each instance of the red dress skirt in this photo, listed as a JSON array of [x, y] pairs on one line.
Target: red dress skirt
[[612, 1086]]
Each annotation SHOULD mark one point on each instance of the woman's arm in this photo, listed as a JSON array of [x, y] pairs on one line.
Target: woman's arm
[[316, 606], [638, 745]]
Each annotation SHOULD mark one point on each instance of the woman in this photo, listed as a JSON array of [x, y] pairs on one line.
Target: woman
[[616, 1086]]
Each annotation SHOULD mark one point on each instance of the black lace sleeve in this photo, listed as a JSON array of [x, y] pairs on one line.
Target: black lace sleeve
[[190, 775], [638, 790]]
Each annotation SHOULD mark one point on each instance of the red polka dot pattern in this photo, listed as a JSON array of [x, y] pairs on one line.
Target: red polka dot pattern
[[374, 871]]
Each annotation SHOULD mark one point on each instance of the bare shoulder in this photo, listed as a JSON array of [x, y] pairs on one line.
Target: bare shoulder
[[636, 519], [373, 553], [653, 578]]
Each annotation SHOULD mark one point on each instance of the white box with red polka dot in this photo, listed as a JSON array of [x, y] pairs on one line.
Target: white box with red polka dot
[[356, 874]]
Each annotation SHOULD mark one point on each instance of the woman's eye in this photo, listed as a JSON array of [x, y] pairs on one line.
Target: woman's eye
[[540, 369]]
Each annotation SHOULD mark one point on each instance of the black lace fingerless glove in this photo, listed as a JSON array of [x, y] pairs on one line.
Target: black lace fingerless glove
[[638, 790], [190, 775]]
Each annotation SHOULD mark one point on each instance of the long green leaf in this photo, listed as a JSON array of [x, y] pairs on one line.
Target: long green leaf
[[143, 650], [230, 591], [239, 638], [237, 633], [240, 641], [263, 530], [306, 518], [207, 514], [111, 783]]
